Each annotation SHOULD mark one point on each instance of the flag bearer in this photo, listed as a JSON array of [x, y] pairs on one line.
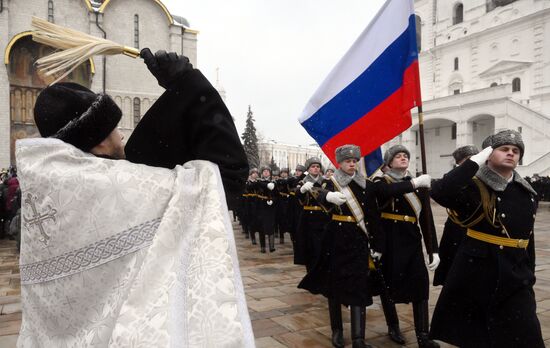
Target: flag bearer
[[400, 244]]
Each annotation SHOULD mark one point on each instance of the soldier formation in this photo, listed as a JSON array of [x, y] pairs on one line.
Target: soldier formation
[[362, 237]]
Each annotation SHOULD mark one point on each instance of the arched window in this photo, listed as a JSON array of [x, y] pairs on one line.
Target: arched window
[[136, 31], [494, 84], [516, 85], [456, 64], [137, 111], [418, 24], [458, 13], [50, 11]]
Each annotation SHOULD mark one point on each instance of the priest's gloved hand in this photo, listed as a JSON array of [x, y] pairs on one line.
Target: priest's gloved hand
[[306, 187], [270, 202], [483, 156], [424, 180], [271, 186], [376, 255], [432, 266], [168, 68], [337, 198]]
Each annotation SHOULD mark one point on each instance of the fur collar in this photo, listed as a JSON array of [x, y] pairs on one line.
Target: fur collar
[[498, 183], [398, 176], [309, 178], [344, 179]]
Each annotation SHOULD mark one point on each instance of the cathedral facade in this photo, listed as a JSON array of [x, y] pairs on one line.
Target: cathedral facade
[[134, 23], [485, 66]]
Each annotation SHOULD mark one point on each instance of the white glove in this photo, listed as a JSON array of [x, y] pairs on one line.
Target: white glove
[[306, 187], [433, 266], [306, 173], [270, 202], [337, 198], [483, 156], [376, 255], [271, 186], [424, 180]]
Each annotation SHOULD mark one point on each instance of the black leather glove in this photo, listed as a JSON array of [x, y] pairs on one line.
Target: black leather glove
[[168, 68]]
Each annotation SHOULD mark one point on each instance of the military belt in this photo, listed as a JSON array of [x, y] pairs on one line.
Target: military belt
[[284, 194], [262, 197], [502, 241], [406, 218], [343, 218], [312, 207], [292, 193]]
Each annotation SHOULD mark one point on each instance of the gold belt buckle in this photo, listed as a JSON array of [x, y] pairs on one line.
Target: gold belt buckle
[[522, 243], [406, 218], [349, 218]]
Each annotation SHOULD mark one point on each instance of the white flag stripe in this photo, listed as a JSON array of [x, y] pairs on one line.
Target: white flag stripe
[[390, 22]]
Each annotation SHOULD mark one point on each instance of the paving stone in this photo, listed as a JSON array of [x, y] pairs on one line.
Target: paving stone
[[11, 308], [283, 315], [8, 341], [268, 342]]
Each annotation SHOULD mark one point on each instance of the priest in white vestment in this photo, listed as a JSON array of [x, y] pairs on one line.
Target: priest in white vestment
[[117, 254]]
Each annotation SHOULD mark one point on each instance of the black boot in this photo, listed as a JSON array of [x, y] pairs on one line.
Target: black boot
[[253, 238], [262, 240], [392, 320], [421, 325], [358, 327], [271, 243], [335, 312], [246, 233]]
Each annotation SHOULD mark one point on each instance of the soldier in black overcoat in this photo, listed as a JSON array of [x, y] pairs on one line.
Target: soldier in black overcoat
[[266, 197], [189, 121], [282, 220], [488, 298], [399, 247], [312, 219], [294, 206], [453, 234], [342, 274], [248, 201]]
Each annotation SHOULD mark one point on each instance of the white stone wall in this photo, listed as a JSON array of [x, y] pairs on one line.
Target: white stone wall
[[288, 155], [126, 78], [4, 90], [511, 41]]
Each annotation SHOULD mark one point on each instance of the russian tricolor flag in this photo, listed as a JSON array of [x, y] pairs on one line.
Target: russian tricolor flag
[[367, 97]]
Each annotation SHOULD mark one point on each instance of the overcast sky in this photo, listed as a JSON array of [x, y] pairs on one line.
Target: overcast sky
[[273, 55]]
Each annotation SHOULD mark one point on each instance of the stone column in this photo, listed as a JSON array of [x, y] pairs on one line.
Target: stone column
[[5, 117], [464, 133]]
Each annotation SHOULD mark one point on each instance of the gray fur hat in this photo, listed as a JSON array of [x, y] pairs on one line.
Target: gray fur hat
[[347, 151], [394, 150], [284, 170], [505, 137], [253, 170], [464, 151], [265, 168], [313, 160], [300, 168]]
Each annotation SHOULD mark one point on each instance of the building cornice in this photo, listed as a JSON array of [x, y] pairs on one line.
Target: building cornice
[[158, 2], [527, 18]]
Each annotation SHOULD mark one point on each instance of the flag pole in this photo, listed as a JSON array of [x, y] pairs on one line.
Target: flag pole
[[422, 141], [425, 196]]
